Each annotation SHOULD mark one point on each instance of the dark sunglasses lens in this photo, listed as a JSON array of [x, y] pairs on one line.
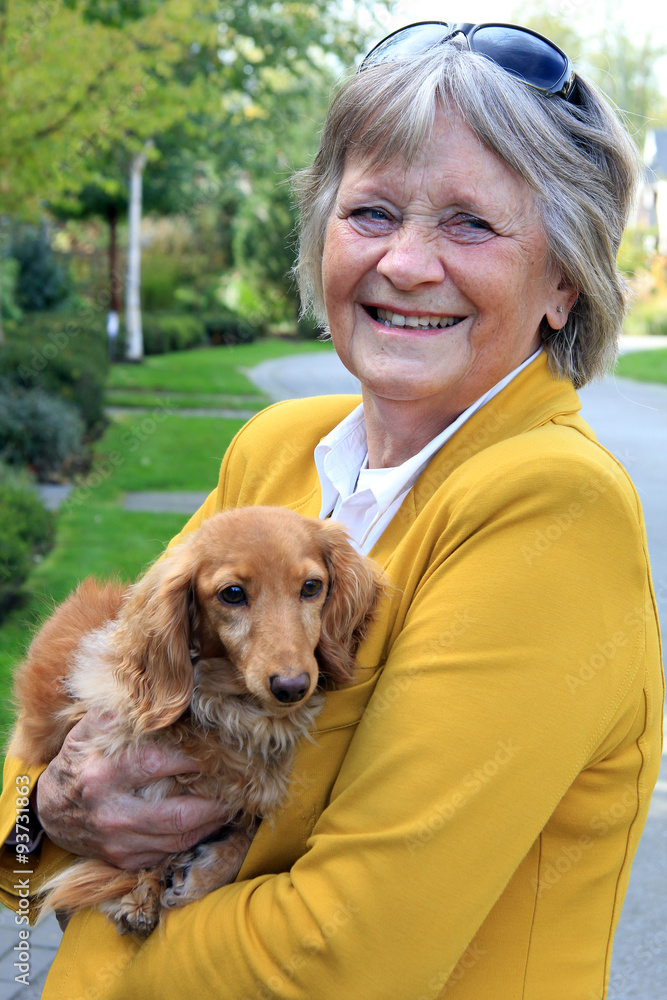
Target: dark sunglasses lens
[[532, 59], [413, 40]]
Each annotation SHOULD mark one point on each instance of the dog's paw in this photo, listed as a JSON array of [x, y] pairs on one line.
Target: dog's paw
[[137, 912], [207, 867], [180, 888]]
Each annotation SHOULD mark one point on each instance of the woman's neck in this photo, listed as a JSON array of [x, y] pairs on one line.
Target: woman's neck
[[398, 429]]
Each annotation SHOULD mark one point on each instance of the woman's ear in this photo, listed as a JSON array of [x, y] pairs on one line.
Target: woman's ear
[[355, 588], [562, 300], [154, 641]]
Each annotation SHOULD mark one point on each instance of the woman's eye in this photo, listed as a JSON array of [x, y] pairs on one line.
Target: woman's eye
[[233, 595], [311, 588], [374, 214], [467, 229], [371, 220], [474, 223]]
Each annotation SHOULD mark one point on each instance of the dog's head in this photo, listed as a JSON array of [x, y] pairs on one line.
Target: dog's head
[[285, 599]]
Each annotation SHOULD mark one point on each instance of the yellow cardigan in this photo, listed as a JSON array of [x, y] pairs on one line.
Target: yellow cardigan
[[464, 823]]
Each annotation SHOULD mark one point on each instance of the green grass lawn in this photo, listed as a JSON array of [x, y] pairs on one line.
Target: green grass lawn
[[95, 535], [183, 400], [210, 371], [646, 366], [157, 450]]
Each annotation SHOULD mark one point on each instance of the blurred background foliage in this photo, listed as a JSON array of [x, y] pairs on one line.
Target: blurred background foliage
[[626, 69], [225, 99]]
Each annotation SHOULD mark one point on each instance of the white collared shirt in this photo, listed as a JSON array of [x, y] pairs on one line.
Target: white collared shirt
[[363, 499]]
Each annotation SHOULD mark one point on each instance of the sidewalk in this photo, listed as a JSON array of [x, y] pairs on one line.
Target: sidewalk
[[43, 943]]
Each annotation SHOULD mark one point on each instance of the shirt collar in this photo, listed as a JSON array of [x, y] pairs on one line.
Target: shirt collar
[[341, 455]]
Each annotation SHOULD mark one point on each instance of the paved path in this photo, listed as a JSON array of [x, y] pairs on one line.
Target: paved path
[[630, 418]]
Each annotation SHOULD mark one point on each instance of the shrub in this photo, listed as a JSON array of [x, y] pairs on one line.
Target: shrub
[[160, 276], [64, 356], [648, 317], [9, 269], [308, 328], [26, 532], [40, 431], [165, 332], [42, 282], [226, 328]]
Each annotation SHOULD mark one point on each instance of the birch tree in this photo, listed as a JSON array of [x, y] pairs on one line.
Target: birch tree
[[82, 78], [134, 350]]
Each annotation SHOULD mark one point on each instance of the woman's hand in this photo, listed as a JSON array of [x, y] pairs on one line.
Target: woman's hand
[[88, 804]]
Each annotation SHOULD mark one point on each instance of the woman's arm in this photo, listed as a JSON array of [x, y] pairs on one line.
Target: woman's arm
[[477, 729]]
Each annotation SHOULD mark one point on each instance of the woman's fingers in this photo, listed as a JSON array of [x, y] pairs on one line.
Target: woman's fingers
[[91, 805]]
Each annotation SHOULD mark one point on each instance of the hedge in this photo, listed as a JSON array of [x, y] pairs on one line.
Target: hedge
[[42, 432], [61, 355], [26, 533], [164, 332]]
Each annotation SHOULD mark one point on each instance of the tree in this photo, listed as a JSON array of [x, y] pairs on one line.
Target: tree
[[56, 122], [622, 67], [148, 68], [124, 88]]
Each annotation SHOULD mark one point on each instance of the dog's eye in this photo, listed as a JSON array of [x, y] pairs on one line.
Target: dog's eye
[[311, 588], [233, 595]]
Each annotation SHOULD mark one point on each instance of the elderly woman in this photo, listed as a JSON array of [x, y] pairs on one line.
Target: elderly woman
[[465, 820]]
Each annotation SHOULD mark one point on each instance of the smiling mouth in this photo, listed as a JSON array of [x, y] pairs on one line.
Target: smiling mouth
[[398, 320]]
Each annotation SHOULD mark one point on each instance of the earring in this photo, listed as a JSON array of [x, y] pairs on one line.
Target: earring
[[559, 309]]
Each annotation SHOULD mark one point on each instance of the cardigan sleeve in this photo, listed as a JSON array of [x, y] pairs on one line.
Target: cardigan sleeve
[[22, 873], [482, 719]]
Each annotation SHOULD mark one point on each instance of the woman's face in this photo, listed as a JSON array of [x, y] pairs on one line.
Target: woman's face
[[435, 274]]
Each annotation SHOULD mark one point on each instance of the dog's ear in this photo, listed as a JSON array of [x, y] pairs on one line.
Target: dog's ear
[[154, 641], [355, 587]]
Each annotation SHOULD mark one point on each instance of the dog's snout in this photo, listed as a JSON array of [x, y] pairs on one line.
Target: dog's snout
[[289, 690]]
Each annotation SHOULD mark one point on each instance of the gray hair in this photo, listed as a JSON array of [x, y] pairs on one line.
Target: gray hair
[[577, 158]]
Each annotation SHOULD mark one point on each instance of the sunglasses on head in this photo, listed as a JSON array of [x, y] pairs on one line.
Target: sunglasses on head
[[519, 51]]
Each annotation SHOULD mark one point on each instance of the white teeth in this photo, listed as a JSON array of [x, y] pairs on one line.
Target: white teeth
[[398, 319]]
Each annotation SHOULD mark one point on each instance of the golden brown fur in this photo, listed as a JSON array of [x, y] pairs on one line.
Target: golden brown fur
[[222, 649]]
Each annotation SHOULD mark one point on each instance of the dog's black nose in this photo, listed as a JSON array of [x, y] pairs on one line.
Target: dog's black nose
[[289, 689]]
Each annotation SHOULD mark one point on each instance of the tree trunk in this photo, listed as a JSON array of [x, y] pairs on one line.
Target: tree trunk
[[113, 316], [115, 283], [2, 255], [134, 349]]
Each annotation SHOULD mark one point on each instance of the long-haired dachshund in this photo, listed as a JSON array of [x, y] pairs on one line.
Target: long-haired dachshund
[[223, 649]]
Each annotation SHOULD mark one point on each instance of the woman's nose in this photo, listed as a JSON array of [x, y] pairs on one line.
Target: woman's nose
[[412, 259]]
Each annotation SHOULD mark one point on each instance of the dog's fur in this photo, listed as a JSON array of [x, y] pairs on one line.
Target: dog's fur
[[179, 665]]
